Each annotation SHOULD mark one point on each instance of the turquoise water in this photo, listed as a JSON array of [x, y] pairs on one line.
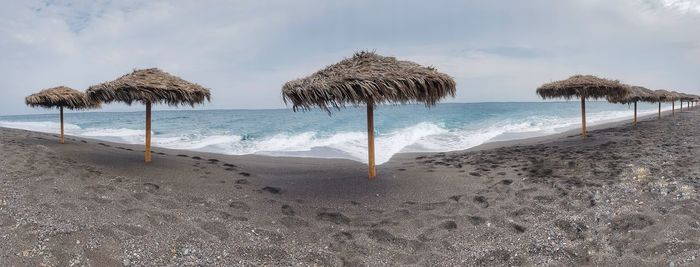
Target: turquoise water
[[405, 128]]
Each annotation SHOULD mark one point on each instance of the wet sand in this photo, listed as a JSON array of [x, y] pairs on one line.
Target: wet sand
[[625, 196]]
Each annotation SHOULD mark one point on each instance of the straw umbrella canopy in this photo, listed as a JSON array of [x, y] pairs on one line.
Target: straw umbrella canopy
[[687, 98], [368, 79], [150, 86], [583, 87], [667, 96], [61, 97], [636, 94]]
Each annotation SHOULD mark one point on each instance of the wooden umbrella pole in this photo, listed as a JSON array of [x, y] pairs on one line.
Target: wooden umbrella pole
[[659, 110], [673, 108], [681, 105], [583, 117], [148, 132], [370, 140], [63, 141], [635, 113]]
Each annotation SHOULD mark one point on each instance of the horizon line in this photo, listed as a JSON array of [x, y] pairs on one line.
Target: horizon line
[[289, 108]]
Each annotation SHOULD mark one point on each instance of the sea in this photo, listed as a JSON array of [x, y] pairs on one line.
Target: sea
[[342, 134]]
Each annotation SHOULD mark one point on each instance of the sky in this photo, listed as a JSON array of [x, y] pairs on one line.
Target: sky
[[244, 51]]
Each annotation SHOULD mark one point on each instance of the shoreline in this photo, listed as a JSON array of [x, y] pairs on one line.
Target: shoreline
[[486, 145]]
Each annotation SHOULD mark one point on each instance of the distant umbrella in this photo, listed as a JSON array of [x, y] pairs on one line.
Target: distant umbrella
[[583, 87], [678, 97], [61, 97], [695, 100], [150, 86], [685, 97], [636, 94], [368, 79], [667, 96]]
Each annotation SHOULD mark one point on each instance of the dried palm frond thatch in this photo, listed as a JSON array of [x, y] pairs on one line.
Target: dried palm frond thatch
[[586, 86], [371, 79], [666, 96], [150, 86], [685, 97], [368, 78], [583, 87], [636, 94], [61, 96]]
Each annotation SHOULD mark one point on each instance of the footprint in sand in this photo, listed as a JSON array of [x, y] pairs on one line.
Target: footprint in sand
[[239, 205], [495, 257], [151, 187], [573, 230], [481, 201], [442, 229], [272, 190], [216, 229], [518, 228], [384, 237], [625, 223], [293, 222], [476, 220], [456, 198], [334, 217], [448, 225], [287, 210]]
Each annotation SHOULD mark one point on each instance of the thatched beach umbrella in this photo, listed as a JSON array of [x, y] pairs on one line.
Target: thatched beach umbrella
[[687, 98], [676, 96], [61, 97], [681, 97], [370, 79], [583, 87], [666, 96], [150, 86], [636, 94]]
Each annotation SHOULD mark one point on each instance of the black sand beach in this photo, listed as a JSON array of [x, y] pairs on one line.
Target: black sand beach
[[626, 196]]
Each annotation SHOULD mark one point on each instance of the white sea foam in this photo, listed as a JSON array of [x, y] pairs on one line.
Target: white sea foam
[[41, 126], [421, 137]]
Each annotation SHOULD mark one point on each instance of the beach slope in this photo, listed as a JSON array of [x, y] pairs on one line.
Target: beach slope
[[625, 196]]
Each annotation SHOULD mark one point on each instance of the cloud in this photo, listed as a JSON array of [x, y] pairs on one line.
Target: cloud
[[682, 5], [245, 50]]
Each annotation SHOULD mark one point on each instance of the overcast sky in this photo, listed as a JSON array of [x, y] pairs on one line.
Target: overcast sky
[[246, 50]]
